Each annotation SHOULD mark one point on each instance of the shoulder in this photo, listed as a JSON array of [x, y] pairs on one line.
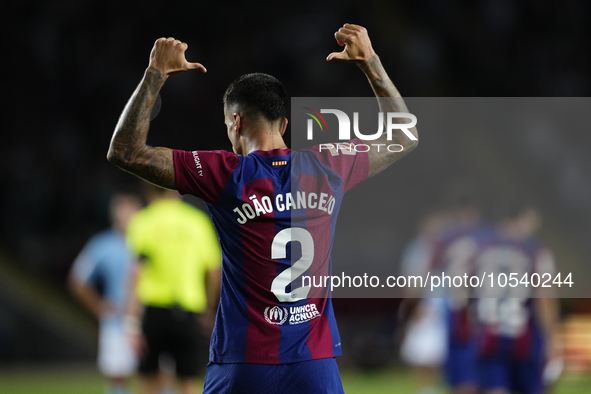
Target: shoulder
[[343, 159], [204, 173], [100, 239], [138, 222], [197, 160], [140, 215], [179, 212], [95, 249]]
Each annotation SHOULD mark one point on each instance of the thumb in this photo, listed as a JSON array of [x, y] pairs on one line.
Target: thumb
[[337, 55], [196, 66]]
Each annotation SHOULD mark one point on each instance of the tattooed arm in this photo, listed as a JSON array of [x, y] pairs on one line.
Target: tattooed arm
[[358, 50], [128, 149]]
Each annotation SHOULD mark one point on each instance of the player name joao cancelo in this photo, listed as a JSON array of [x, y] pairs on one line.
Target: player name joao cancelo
[[284, 202]]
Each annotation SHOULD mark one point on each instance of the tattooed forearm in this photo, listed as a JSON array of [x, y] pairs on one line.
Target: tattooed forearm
[[389, 100], [128, 149], [381, 83]]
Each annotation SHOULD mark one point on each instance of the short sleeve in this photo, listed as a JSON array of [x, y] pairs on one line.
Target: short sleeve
[[85, 266], [346, 160], [204, 173]]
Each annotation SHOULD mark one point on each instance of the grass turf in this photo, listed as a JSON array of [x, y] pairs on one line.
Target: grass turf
[[64, 381]]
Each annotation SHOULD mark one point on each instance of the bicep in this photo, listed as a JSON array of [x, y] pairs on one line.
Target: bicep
[[155, 165]]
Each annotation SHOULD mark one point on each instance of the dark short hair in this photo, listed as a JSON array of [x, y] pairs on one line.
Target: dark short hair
[[258, 94]]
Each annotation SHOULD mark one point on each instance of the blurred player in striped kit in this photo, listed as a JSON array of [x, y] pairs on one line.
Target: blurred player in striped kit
[[516, 325], [453, 255]]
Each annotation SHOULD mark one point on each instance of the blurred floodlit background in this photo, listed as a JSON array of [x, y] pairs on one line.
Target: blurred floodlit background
[[70, 66]]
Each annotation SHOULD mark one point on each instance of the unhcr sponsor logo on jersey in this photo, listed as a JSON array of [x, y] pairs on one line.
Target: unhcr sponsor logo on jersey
[[303, 313], [297, 314], [276, 315]]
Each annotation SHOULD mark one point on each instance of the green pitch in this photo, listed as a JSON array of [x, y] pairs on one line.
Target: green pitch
[[354, 382]]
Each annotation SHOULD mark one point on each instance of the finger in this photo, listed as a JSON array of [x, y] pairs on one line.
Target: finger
[[184, 46], [336, 55], [346, 38], [341, 43], [347, 31], [353, 27], [349, 35], [196, 66]]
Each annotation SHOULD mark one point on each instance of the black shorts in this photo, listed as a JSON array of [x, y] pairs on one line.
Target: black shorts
[[177, 333]]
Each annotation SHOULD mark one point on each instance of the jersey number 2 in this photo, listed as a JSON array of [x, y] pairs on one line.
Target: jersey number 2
[[279, 251]]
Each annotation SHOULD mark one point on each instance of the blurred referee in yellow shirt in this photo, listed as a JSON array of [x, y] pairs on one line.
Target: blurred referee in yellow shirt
[[177, 285]]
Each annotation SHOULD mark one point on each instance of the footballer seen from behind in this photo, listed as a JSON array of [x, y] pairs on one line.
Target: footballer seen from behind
[[270, 335]]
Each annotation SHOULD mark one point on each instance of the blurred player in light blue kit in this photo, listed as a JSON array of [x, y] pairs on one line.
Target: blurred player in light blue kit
[[106, 259], [516, 324]]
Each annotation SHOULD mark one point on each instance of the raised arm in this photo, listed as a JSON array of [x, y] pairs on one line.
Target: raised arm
[[358, 50], [128, 149]]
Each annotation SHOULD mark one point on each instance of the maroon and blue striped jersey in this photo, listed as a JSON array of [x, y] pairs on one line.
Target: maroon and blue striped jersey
[[509, 336], [507, 309], [275, 214]]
